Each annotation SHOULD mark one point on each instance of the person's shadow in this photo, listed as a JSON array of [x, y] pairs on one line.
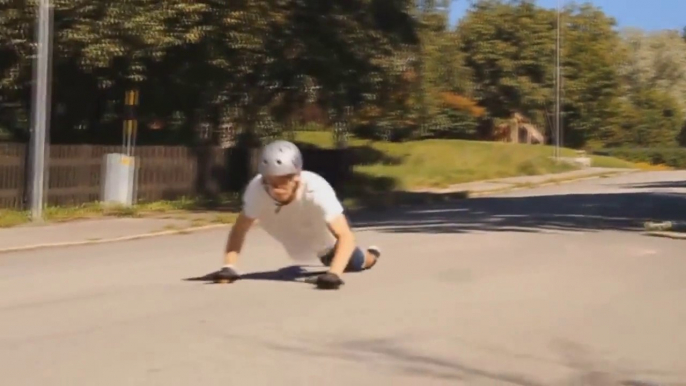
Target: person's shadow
[[294, 273]]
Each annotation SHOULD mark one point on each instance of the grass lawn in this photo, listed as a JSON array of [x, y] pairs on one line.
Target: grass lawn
[[440, 163]]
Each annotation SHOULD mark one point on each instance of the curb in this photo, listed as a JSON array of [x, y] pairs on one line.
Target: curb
[[668, 235], [112, 240]]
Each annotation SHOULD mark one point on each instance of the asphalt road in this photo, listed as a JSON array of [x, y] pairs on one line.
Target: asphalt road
[[545, 287]]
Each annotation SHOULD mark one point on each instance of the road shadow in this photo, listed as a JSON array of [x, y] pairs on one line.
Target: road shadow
[[388, 355], [593, 369], [570, 212], [294, 273], [397, 355]]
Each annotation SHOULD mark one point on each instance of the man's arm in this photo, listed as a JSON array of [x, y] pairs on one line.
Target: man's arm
[[245, 220], [236, 238], [344, 247], [333, 214]]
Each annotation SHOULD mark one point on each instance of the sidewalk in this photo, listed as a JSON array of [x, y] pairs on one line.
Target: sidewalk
[[497, 185], [82, 232], [91, 231]]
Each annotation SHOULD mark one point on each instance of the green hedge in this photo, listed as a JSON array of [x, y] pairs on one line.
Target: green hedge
[[672, 156]]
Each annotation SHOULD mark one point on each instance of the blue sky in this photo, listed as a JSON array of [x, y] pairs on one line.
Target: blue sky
[[645, 14]]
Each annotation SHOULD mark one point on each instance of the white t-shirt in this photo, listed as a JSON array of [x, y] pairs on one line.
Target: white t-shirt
[[300, 226]]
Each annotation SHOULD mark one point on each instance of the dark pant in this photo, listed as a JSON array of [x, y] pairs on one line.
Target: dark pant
[[355, 264]]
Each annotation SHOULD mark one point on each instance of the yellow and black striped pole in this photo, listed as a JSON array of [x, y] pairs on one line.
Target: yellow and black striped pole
[[130, 125]]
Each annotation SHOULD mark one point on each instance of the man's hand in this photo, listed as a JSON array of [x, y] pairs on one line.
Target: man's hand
[[344, 247]]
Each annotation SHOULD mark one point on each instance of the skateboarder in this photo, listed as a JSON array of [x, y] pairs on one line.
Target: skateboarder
[[300, 210]]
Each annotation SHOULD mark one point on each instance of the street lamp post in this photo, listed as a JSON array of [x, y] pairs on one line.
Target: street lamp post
[[558, 81]]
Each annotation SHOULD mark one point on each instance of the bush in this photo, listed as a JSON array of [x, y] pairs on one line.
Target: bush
[[671, 156]]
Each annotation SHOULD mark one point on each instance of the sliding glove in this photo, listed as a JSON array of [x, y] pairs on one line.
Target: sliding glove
[[329, 281]]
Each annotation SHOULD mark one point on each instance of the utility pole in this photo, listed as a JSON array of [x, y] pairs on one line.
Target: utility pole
[[558, 129], [41, 108]]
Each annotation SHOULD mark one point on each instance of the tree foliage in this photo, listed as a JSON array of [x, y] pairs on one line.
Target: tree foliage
[[195, 61], [392, 69]]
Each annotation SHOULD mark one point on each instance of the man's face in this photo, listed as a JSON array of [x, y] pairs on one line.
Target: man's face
[[282, 188]]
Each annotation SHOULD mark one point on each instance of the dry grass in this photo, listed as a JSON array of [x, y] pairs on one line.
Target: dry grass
[[651, 167], [611, 162], [10, 218], [178, 209]]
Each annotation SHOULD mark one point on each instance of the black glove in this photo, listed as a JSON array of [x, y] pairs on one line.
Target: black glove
[[226, 275], [329, 281]]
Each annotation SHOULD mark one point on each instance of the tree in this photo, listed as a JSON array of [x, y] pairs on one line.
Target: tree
[[591, 82], [507, 47], [655, 60], [652, 118], [193, 59]]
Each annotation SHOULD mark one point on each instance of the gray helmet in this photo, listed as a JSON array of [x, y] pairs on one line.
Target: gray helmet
[[280, 158]]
